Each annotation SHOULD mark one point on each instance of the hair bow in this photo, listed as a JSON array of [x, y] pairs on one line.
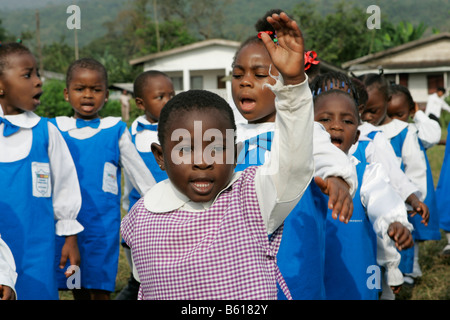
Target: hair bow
[[310, 59]]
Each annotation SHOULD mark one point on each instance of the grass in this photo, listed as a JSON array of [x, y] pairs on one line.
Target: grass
[[433, 285]]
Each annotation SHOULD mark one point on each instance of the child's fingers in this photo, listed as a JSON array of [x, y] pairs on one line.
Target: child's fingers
[[321, 184]]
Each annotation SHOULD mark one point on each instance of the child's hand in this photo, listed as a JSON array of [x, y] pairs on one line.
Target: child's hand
[[70, 251], [401, 235], [6, 293], [340, 200], [288, 53], [420, 208], [396, 289]]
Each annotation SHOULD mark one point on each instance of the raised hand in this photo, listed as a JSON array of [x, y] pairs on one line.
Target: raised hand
[[288, 53]]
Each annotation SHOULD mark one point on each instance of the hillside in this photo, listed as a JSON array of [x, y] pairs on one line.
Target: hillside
[[19, 15]]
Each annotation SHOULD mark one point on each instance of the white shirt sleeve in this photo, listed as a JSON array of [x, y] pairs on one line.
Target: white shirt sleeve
[[381, 151], [414, 161], [384, 206], [429, 130], [8, 275], [66, 188], [285, 175], [134, 166], [330, 161]]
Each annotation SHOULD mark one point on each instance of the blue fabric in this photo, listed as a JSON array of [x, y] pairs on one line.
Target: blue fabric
[[443, 190], [301, 253], [94, 123], [351, 248], [100, 213], [150, 162], [9, 128], [27, 222]]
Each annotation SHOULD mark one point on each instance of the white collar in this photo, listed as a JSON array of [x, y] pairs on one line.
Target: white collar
[[141, 119], [70, 123], [394, 127], [164, 197], [25, 120]]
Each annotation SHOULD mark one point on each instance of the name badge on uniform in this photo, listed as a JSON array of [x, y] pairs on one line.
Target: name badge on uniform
[[42, 187], [110, 179]]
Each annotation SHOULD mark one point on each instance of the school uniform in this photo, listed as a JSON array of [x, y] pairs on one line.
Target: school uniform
[[407, 146], [354, 251], [443, 190], [143, 134], [100, 148], [226, 248], [40, 179], [429, 130], [301, 253]]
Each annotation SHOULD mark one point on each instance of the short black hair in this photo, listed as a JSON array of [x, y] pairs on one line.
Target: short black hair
[[141, 81], [7, 49], [200, 100], [86, 63], [399, 89], [378, 81], [441, 89], [337, 83]]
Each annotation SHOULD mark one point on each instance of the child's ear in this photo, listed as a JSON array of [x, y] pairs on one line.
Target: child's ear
[[66, 94], [158, 154], [140, 103]]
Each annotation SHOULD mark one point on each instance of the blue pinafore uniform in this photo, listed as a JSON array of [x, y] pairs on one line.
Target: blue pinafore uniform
[[351, 248], [97, 163], [302, 250], [443, 190], [420, 232], [149, 160], [27, 221]]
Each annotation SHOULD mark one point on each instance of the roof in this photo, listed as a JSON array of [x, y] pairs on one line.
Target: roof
[[189, 47], [429, 60]]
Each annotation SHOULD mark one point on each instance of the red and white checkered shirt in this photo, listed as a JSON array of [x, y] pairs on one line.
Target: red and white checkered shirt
[[222, 253]]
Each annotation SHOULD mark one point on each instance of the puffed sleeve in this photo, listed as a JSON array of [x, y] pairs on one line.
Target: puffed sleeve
[[66, 188]]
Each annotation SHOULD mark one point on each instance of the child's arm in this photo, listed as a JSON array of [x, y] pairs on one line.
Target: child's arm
[[8, 273], [290, 167], [429, 130], [136, 171]]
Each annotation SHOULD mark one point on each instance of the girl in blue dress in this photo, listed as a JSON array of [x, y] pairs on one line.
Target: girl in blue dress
[[41, 194], [301, 254], [355, 251], [100, 148]]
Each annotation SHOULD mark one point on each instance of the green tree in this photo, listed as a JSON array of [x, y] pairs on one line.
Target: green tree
[[53, 103]]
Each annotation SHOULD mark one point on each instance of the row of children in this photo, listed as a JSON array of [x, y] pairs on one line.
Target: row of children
[[201, 231]]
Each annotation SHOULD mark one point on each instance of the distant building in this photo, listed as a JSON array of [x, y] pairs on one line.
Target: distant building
[[201, 65], [422, 65]]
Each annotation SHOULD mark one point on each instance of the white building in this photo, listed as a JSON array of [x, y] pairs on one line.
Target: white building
[[422, 65], [201, 65]]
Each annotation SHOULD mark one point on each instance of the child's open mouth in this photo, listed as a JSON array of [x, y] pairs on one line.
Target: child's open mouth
[[247, 104], [37, 99], [202, 186], [337, 141], [87, 106]]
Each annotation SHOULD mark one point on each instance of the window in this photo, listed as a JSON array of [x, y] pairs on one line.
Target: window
[[434, 81], [197, 82], [403, 79], [220, 83], [177, 83]]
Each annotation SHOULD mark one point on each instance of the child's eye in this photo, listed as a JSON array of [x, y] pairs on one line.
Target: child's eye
[[261, 75], [236, 76], [348, 121], [324, 120]]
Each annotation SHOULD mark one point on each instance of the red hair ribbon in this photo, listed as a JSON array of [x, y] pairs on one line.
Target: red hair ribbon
[[268, 32], [310, 59]]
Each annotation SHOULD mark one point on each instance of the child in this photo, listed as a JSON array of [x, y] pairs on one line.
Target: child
[[202, 234], [100, 147], [39, 177], [379, 213], [8, 275], [403, 138], [400, 107], [152, 90], [300, 257]]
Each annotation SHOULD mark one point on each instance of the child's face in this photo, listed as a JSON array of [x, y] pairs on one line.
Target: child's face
[[255, 102], [198, 166], [375, 111], [337, 114], [87, 93], [156, 94], [398, 108], [21, 85]]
